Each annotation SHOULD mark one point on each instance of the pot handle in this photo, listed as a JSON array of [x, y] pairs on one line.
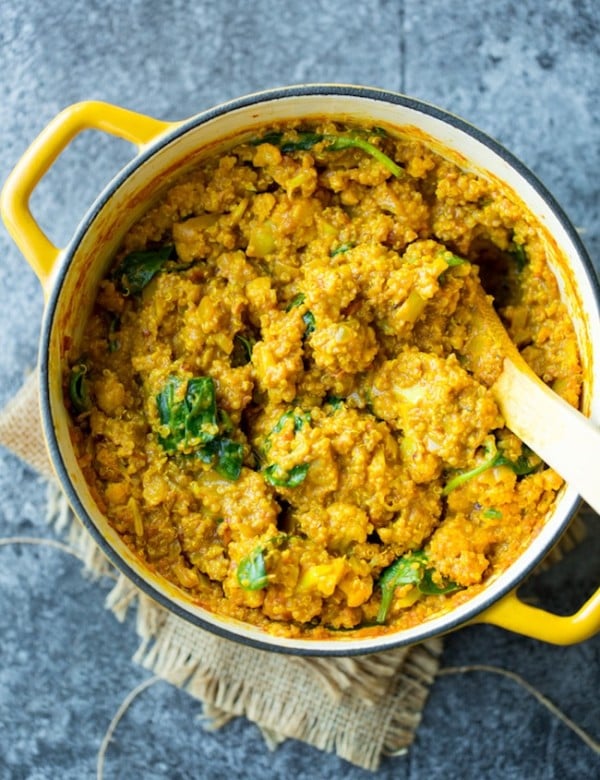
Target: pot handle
[[37, 248], [513, 614]]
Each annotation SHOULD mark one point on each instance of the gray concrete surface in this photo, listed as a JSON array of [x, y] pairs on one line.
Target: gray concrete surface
[[528, 73]]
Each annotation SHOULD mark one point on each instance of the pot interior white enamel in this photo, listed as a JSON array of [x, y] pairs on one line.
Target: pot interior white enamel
[[85, 261]]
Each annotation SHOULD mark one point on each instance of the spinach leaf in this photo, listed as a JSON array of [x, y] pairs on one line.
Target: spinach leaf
[[305, 140], [339, 250], [224, 454], [195, 423], [521, 467], [309, 320], [453, 260], [517, 251], [404, 571], [224, 421], [339, 142], [300, 420], [252, 571], [411, 569], [172, 415], [273, 473], [278, 477], [201, 405], [113, 329], [274, 137], [429, 588], [242, 350], [334, 401], [230, 456], [297, 300], [78, 389], [464, 476], [137, 269]]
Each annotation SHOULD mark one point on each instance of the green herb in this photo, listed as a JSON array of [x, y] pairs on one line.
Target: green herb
[[407, 570], [453, 260], [492, 513], [230, 456], [339, 250], [252, 571], [278, 477], [300, 420], [137, 269], [379, 131], [429, 588], [297, 300], [191, 420], [309, 320], [411, 569], [224, 420], [274, 474], [113, 329], [340, 142], [518, 252], [465, 476], [306, 140], [274, 137], [201, 401], [259, 458], [195, 424], [172, 414], [78, 389], [521, 467], [335, 402], [224, 454], [242, 352]]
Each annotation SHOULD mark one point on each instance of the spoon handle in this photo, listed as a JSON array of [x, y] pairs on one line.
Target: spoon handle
[[564, 438]]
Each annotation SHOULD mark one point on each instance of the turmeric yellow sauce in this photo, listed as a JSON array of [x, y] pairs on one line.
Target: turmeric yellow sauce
[[271, 404]]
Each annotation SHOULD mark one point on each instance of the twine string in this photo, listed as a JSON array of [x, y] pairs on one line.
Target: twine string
[[580, 732], [447, 671], [123, 707], [538, 695], [33, 540]]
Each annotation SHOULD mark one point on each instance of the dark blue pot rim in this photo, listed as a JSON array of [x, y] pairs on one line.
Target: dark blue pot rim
[[388, 641]]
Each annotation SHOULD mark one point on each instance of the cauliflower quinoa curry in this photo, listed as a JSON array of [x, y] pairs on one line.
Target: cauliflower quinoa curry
[[271, 404]]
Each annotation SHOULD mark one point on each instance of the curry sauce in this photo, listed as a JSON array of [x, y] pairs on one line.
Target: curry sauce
[[271, 403]]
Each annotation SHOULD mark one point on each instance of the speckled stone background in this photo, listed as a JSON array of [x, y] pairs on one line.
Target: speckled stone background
[[526, 72]]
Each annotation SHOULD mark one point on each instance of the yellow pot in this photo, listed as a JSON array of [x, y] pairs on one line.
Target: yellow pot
[[71, 274]]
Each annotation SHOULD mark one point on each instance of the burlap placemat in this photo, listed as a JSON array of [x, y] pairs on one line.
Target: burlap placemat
[[367, 706]]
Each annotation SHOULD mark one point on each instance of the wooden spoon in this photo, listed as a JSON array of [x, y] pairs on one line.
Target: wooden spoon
[[563, 437]]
